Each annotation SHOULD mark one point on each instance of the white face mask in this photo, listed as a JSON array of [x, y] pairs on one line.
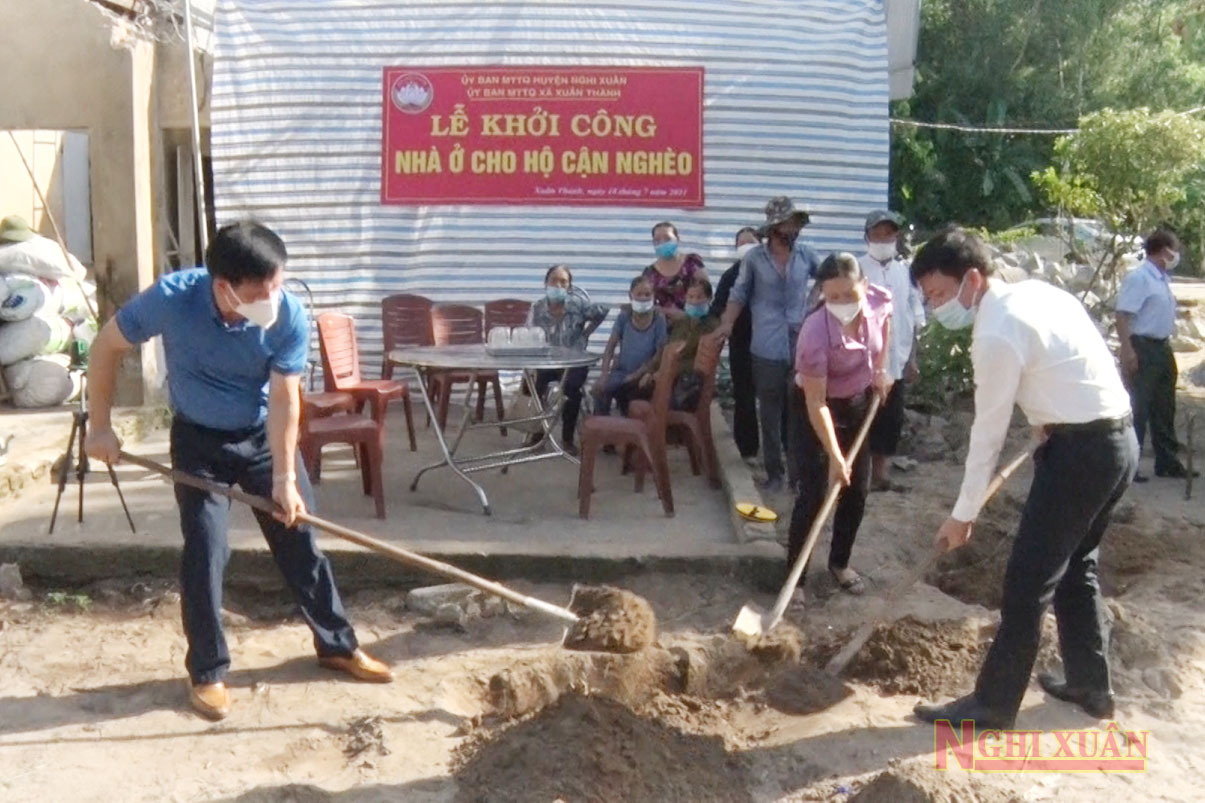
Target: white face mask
[[952, 314], [881, 252], [845, 313], [262, 313], [1174, 261], [642, 307], [742, 250]]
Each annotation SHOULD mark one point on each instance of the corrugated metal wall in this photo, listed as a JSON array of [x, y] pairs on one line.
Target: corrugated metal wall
[[795, 104]]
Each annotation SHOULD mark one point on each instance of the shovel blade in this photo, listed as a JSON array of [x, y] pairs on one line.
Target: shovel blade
[[750, 622]]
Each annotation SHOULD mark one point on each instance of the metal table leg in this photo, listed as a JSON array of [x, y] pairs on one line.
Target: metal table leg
[[448, 460]]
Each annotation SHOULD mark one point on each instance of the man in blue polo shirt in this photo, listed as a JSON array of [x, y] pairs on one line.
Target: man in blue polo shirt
[[773, 283], [1146, 320], [236, 349]]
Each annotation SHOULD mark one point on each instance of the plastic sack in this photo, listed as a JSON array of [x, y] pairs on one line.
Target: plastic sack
[[3, 289], [29, 296], [41, 334], [39, 256], [41, 381], [84, 332], [79, 299]]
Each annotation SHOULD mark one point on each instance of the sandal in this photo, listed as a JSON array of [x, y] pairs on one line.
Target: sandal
[[887, 485], [853, 584]]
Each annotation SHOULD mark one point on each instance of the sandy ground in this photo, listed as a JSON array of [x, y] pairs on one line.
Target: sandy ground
[[92, 702]]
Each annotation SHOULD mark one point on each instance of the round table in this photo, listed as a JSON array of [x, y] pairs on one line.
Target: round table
[[476, 359]]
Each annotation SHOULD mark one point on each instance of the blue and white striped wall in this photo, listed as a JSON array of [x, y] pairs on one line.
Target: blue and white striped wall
[[795, 104]]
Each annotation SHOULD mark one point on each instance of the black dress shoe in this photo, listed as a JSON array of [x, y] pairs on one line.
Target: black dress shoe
[[965, 708], [1097, 703], [1176, 472]]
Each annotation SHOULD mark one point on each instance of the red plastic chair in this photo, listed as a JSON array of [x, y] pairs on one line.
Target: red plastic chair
[[694, 427], [645, 436], [459, 325], [405, 322], [319, 427], [341, 370], [506, 312]]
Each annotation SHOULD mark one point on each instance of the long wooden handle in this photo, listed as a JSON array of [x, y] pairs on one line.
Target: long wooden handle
[[838, 662], [830, 500], [356, 537]]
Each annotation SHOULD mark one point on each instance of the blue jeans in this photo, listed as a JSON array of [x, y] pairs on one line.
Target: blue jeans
[[242, 457]]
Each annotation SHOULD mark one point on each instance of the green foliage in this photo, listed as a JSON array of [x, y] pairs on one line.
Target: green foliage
[[1029, 63], [61, 599], [944, 359], [1132, 169]]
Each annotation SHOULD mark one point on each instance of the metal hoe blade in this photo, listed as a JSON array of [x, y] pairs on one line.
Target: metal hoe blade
[[750, 622]]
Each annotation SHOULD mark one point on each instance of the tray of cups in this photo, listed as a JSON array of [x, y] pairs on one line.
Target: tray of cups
[[518, 341]]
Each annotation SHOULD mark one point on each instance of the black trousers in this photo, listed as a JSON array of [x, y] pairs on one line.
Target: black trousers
[[575, 380], [744, 397], [848, 415], [1153, 397], [242, 457], [884, 436], [1079, 476]]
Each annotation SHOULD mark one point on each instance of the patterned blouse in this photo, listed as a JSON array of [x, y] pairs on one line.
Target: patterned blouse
[[670, 291], [569, 330]]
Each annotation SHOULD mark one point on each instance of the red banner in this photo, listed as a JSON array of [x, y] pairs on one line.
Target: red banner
[[543, 135]]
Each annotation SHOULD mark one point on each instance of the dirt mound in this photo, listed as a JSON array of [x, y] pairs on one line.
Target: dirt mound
[[1129, 551], [540, 680], [707, 668], [1143, 662], [612, 620], [914, 783], [595, 749], [911, 656], [974, 574]]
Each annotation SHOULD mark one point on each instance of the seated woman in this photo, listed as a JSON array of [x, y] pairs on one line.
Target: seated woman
[[568, 321], [672, 271], [689, 329], [640, 332], [840, 365]]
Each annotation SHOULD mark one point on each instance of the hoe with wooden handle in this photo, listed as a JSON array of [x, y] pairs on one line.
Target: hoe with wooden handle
[[598, 628], [752, 622], [837, 664]]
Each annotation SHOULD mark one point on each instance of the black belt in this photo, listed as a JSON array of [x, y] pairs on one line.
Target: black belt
[[1159, 340], [1099, 425]]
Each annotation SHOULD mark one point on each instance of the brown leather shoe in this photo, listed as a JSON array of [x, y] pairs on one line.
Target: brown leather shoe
[[359, 665], [210, 700]]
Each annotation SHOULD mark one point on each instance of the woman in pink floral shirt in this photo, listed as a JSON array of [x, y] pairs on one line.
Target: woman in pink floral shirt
[[672, 272]]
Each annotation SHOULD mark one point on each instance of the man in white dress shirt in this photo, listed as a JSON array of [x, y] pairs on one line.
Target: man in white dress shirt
[[881, 266], [1034, 345]]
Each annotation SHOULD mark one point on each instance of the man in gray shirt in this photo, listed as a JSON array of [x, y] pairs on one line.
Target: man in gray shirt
[[774, 281]]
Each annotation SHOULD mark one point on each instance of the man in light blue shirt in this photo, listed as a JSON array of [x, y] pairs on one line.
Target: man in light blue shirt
[[774, 281], [236, 347], [1146, 320]]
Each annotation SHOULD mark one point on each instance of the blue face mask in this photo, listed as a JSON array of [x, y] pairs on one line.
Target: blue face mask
[[556, 295], [697, 310], [667, 249]]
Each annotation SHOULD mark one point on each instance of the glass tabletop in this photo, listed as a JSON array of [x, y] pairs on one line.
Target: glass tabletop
[[476, 358]]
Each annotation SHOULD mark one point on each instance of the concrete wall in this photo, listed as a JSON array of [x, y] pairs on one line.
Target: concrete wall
[[65, 68]]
